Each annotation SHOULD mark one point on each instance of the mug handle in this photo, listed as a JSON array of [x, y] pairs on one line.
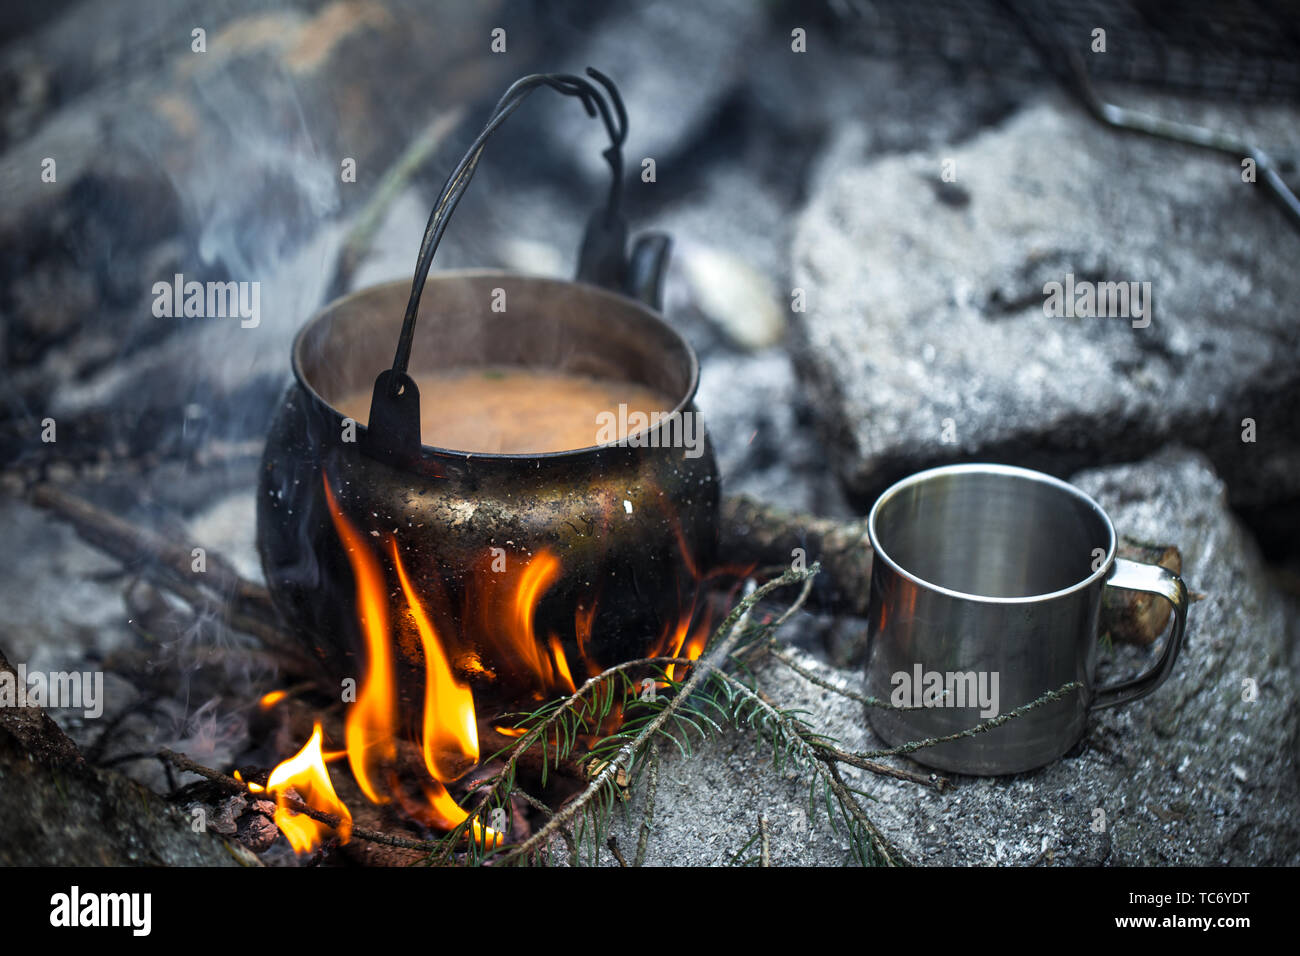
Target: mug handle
[[1153, 579]]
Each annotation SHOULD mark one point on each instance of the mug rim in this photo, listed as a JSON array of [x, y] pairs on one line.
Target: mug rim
[[1009, 471]]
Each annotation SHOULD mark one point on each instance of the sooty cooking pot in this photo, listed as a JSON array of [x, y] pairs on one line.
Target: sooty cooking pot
[[629, 525]]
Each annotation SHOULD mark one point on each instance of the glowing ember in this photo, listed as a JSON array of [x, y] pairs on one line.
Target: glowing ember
[[270, 700]]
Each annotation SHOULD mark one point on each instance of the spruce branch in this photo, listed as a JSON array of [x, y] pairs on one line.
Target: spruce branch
[[770, 648], [725, 640], [788, 734], [710, 698]]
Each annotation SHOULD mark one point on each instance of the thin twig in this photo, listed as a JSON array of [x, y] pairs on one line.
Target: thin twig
[[240, 604], [853, 760], [532, 801], [764, 843], [845, 796], [565, 832], [938, 783], [362, 234], [285, 653], [816, 748], [652, 787], [819, 744], [527, 741], [822, 682], [182, 762], [132, 545], [985, 727], [612, 843], [735, 857]]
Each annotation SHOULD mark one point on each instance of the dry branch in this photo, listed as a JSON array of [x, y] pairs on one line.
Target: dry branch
[[242, 605], [133, 545], [361, 236], [647, 819]]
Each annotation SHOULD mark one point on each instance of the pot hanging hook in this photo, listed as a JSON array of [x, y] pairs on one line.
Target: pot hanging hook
[[393, 432]]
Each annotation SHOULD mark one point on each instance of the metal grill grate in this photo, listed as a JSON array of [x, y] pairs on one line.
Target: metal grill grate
[[1244, 49]]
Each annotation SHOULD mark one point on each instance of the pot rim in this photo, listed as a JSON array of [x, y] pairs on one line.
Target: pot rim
[[624, 301]]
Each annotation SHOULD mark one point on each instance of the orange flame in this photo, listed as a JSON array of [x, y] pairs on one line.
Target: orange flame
[[508, 626], [697, 640], [500, 620], [561, 665], [684, 641], [539, 574], [674, 648], [442, 812], [450, 727], [306, 773], [371, 738]]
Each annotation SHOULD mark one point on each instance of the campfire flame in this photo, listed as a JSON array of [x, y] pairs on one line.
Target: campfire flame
[[371, 738], [450, 725], [501, 611], [305, 774], [504, 603], [450, 730]]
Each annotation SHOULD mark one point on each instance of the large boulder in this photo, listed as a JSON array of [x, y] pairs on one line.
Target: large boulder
[[1201, 772], [926, 336]]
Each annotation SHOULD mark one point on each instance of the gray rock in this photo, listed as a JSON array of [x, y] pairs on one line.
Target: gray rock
[[1191, 775], [82, 816], [60, 811], [730, 262], [221, 165], [758, 423], [926, 340], [674, 63]]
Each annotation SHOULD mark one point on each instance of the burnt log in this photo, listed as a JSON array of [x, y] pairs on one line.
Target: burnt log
[[58, 810]]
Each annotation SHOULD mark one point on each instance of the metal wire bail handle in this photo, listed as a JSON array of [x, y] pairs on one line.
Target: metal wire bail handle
[[393, 432]]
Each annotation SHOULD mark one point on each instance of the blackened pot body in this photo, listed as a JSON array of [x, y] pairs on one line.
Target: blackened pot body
[[616, 536]]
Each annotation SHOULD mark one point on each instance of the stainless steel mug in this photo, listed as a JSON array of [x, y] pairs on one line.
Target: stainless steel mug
[[986, 590]]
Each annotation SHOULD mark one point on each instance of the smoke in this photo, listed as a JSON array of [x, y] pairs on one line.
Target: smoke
[[207, 734]]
